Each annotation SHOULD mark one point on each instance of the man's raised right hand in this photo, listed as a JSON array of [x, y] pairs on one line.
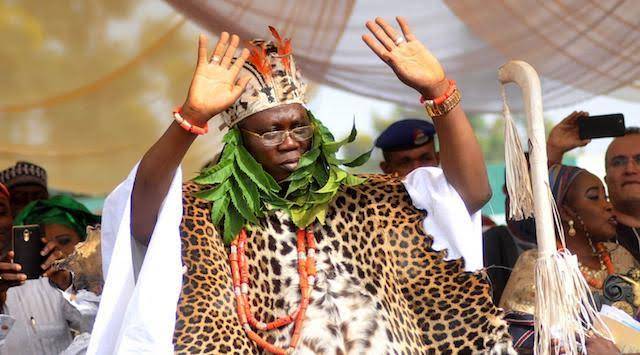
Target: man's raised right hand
[[215, 85]]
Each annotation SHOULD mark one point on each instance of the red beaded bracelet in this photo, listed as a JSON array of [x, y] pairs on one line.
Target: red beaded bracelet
[[177, 115], [440, 99]]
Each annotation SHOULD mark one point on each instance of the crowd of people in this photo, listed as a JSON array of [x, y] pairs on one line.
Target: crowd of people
[[41, 313], [274, 247]]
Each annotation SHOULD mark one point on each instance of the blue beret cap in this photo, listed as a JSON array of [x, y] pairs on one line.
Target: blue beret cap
[[406, 134]]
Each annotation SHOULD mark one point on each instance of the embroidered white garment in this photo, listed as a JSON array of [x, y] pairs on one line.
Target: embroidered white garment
[[42, 319], [448, 220], [139, 317]]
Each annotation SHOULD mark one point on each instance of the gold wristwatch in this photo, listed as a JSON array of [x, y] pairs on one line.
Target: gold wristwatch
[[435, 110]]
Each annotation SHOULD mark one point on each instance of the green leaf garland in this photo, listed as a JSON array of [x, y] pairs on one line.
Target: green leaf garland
[[241, 191]]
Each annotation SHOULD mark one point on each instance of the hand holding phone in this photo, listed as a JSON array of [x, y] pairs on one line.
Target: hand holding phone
[[602, 126], [10, 273], [27, 248], [564, 137]]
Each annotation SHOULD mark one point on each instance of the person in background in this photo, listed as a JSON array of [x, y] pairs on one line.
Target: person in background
[[43, 317], [589, 223], [622, 167], [26, 182], [409, 144], [409, 151], [406, 145]]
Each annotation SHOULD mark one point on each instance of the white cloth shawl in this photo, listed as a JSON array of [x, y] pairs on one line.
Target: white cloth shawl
[[448, 221], [139, 318]]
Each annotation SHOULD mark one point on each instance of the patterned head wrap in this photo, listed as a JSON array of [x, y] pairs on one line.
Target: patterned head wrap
[[275, 80], [560, 178], [58, 210], [23, 173]]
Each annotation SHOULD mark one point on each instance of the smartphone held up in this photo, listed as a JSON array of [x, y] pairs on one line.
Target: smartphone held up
[[602, 126], [27, 245]]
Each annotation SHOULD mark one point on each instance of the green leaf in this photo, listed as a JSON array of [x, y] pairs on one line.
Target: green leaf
[[249, 190], [255, 172], [340, 174], [317, 198], [215, 193], [308, 158], [218, 209], [278, 202], [359, 160], [233, 223], [233, 137], [353, 180], [241, 204], [304, 217], [332, 160], [320, 173], [227, 154], [333, 147], [218, 176], [300, 184], [324, 131], [331, 185], [300, 174], [317, 139]]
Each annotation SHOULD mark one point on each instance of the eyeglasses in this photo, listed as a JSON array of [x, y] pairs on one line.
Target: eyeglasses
[[621, 160], [275, 138]]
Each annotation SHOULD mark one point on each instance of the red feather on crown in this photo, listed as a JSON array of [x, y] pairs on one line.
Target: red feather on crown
[[284, 48], [258, 57]]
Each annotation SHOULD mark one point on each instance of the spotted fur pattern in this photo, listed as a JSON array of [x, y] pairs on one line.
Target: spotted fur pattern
[[381, 289]]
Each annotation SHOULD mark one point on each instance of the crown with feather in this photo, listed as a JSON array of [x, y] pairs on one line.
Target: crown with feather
[[275, 80]]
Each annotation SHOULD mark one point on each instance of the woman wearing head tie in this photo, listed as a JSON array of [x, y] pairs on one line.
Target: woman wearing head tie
[[590, 224]]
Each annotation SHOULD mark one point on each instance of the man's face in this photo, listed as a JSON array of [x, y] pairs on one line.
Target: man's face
[[403, 162], [21, 195], [280, 160], [622, 164]]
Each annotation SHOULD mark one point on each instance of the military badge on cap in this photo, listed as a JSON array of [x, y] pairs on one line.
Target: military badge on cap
[[406, 134]]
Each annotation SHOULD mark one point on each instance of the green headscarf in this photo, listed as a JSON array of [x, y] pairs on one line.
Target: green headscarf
[[58, 210]]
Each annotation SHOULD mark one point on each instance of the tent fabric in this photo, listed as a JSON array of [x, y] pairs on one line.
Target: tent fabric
[[580, 49], [88, 87]]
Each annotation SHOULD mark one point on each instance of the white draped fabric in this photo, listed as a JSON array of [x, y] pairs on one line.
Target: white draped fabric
[[580, 48], [138, 316]]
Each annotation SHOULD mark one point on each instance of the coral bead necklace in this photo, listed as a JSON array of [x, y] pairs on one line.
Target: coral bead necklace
[[306, 248]]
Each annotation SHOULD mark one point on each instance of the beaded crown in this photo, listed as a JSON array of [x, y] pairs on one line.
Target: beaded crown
[[275, 80]]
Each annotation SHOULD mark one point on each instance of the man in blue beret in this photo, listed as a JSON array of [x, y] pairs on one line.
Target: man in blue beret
[[407, 145], [409, 150]]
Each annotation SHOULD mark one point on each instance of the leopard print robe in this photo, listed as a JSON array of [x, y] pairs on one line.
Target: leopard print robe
[[380, 289]]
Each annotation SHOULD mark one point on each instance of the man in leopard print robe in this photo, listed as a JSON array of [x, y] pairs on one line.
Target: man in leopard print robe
[[380, 288]]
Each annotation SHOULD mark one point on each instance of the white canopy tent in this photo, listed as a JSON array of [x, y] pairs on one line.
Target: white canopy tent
[[89, 86], [580, 48]]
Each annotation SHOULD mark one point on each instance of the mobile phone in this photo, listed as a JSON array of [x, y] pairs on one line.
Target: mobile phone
[[601, 126], [27, 244]]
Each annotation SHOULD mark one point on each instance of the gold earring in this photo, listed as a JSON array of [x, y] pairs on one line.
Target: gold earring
[[572, 231]]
